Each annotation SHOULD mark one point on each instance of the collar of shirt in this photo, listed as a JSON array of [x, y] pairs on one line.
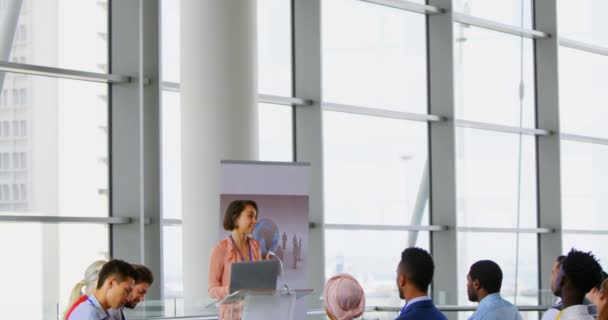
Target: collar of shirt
[[101, 314], [579, 311], [410, 302], [488, 303], [490, 298]]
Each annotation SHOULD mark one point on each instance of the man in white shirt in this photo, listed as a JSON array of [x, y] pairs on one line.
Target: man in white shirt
[[579, 272]]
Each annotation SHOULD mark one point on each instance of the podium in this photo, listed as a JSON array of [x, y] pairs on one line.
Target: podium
[[260, 304]]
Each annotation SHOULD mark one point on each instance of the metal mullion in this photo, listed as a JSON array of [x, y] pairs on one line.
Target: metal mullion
[[442, 153], [308, 122], [548, 147]]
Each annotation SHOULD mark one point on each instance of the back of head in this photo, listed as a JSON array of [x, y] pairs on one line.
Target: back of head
[[418, 266], [489, 275], [143, 274], [89, 282], [344, 297], [582, 270], [118, 269]]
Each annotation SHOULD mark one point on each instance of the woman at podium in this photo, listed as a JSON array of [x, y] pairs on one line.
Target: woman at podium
[[240, 219]]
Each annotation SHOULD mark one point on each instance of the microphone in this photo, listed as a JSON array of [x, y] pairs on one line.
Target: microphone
[[280, 265]]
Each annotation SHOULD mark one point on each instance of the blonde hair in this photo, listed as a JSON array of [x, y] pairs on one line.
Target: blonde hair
[[89, 283], [603, 312]]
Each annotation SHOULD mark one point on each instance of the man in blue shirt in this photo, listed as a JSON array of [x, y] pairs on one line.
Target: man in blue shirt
[[114, 286], [483, 285], [414, 275]]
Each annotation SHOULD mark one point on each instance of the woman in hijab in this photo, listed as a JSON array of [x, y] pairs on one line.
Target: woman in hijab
[[344, 298]]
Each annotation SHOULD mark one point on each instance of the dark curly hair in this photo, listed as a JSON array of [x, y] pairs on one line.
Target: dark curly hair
[[582, 269]]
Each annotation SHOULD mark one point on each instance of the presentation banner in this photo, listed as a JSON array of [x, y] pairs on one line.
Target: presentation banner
[[281, 191]]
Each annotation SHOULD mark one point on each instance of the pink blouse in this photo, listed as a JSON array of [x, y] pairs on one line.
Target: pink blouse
[[223, 255]]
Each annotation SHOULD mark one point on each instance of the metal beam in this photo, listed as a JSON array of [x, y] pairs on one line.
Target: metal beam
[[262, 98], [506, 230], [585, 139], [501, 128], [380, 113], [384, 228], [580, 231], [286, 101], [583, 46], [56, 219], [497, 26], [9, 18], [407, 6], [35, 70]]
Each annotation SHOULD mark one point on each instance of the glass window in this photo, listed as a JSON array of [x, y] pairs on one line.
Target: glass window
[[584, 169], [513, 12], [502, 249], [274, 47], [170, 45], [380, 162], [48, 260], [171, 155], [583, 20], [275, 132], [490, 67], [583, 79], [75, 42], [374, 56], [59, 160], [489, 179], [172, 262], [361, 252]]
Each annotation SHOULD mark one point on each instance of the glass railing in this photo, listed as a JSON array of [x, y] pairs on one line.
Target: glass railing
[[205, 309]]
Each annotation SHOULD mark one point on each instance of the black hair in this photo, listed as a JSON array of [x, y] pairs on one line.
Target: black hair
[[560, 259], [489, 275], [582, 269], [418, 266], [234, 210], [117, 268], [143, 274]]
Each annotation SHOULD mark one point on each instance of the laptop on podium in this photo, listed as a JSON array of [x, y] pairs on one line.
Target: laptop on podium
[[259, 275]]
